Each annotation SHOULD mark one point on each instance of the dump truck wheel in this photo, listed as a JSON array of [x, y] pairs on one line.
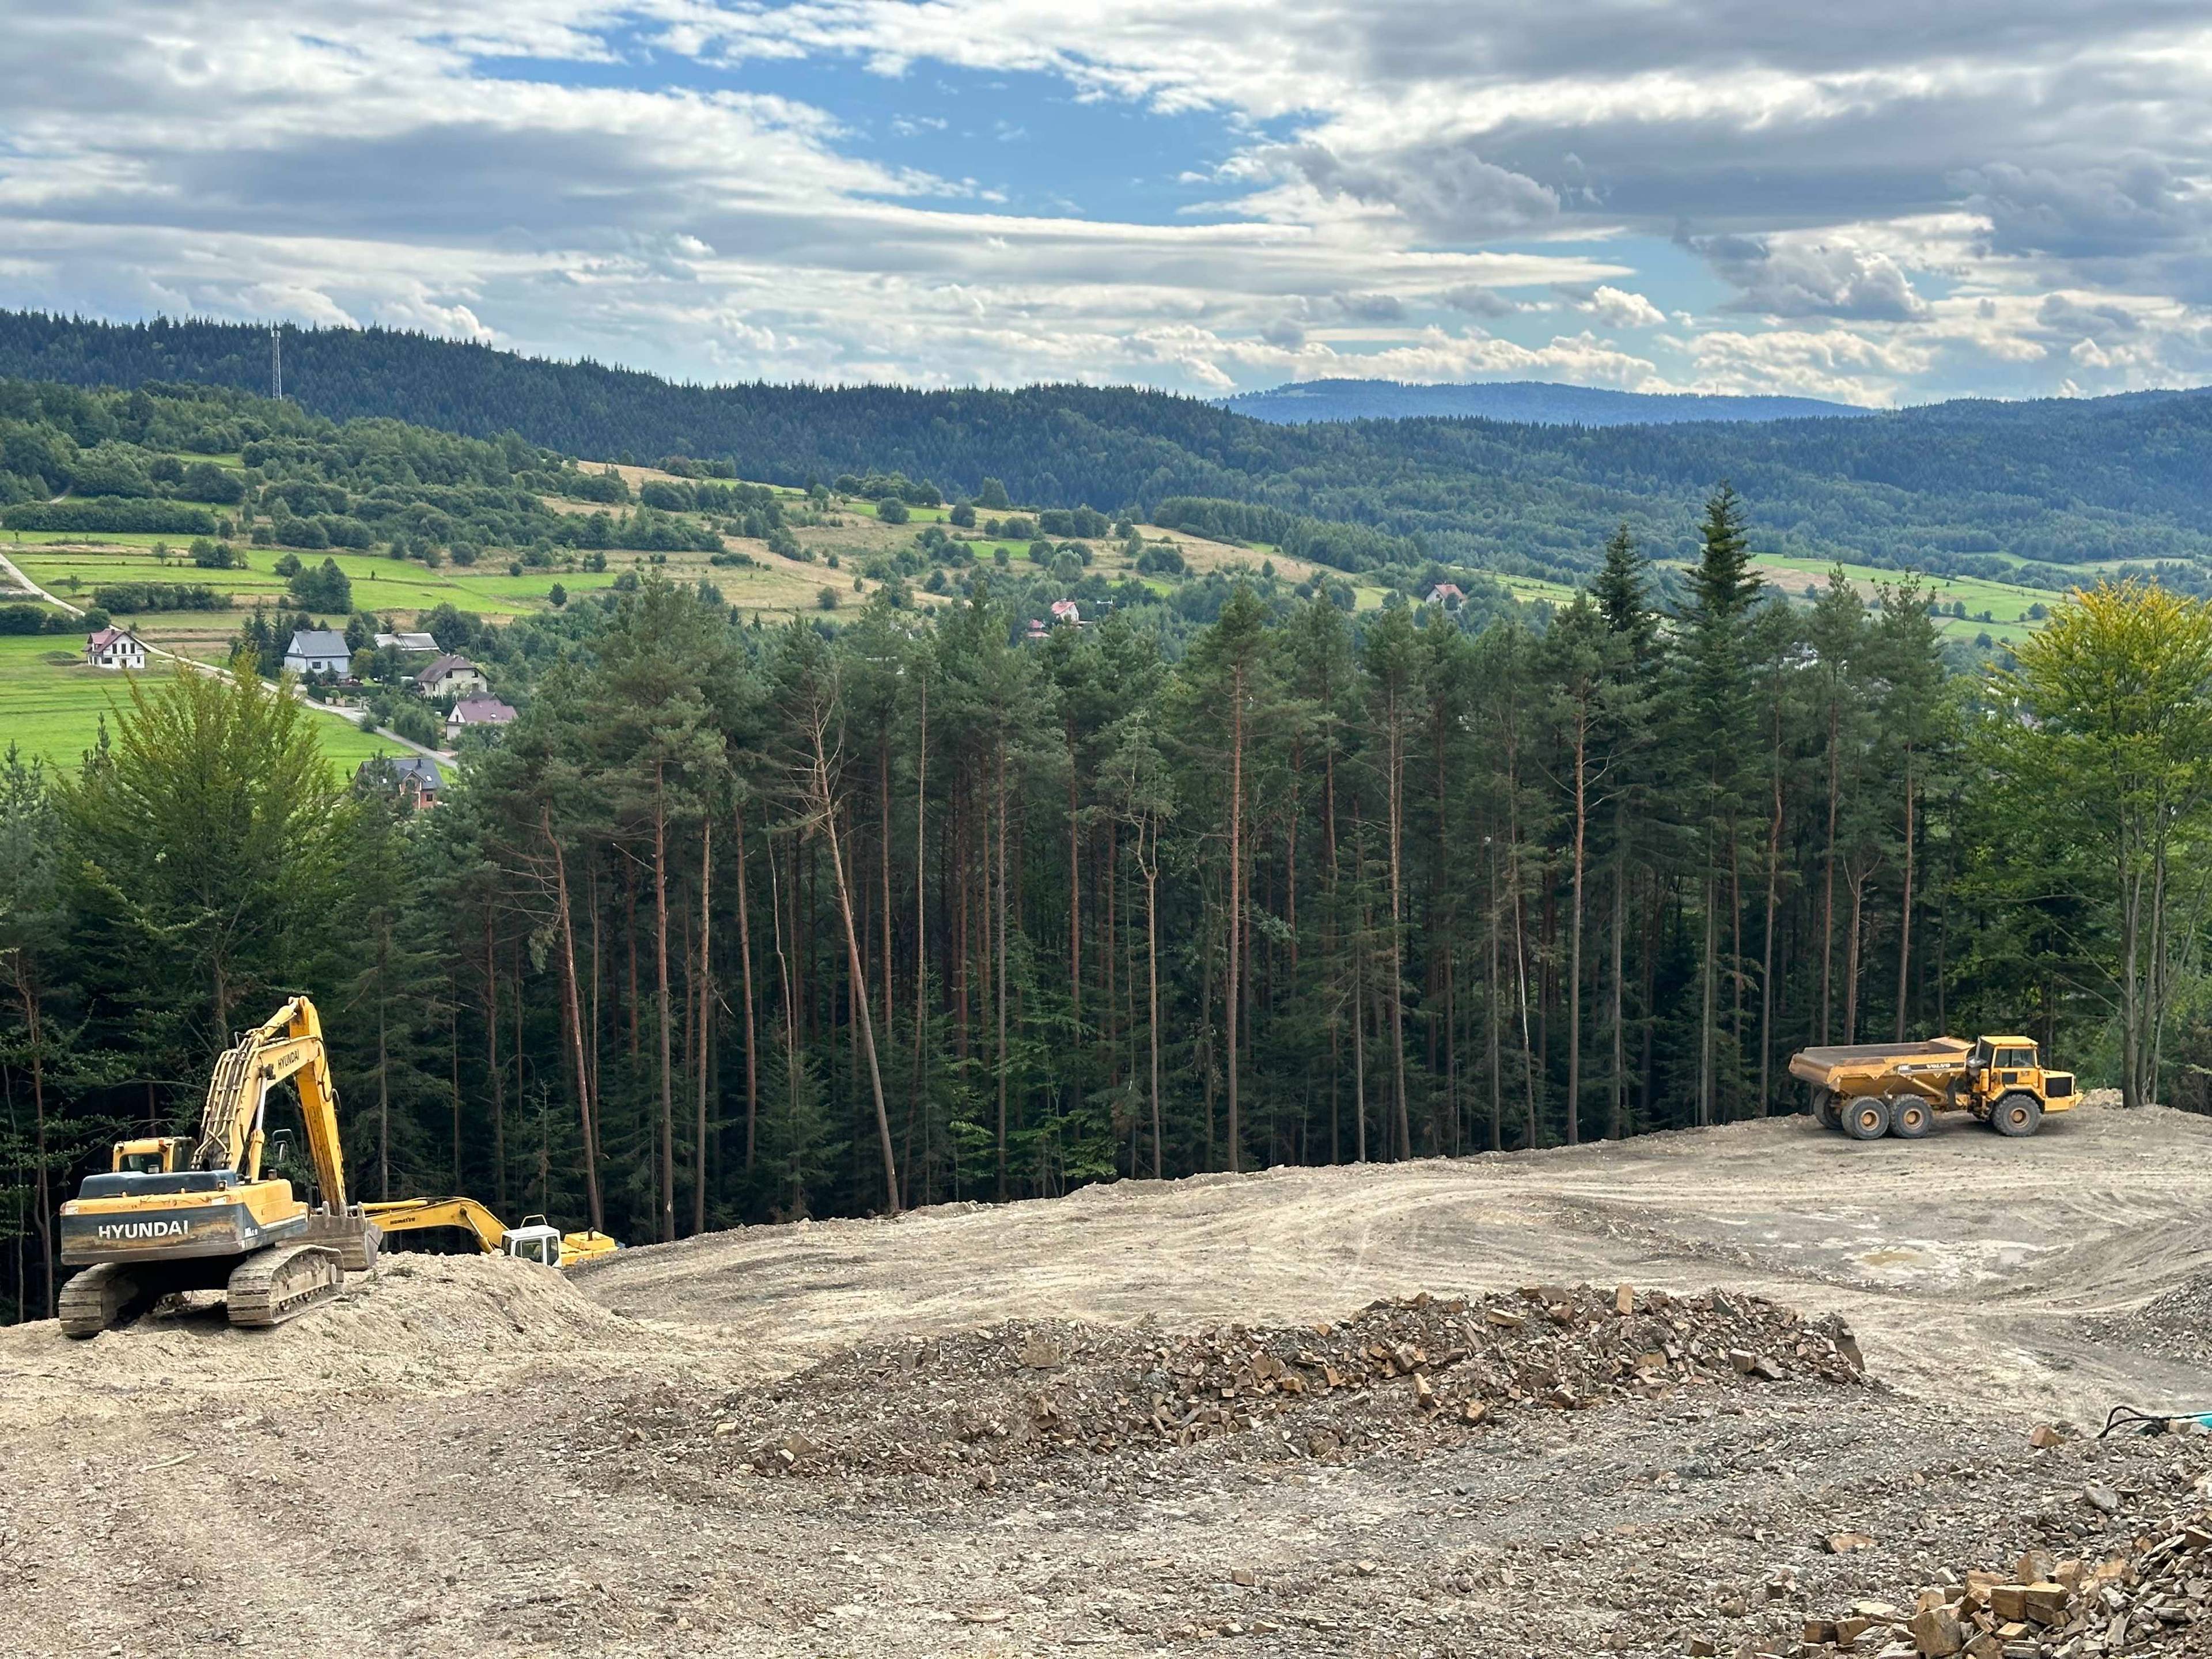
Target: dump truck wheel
[[1909, 1117], [1867, 1118], [1823, 1108], [2016, 1114]]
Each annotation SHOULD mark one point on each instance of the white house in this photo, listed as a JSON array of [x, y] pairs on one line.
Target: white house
[[477, 712], [114, 647], [318, 651], [451, 677]]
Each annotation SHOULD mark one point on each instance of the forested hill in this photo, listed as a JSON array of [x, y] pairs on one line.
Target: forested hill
[[1963, 487], [1539, 402]]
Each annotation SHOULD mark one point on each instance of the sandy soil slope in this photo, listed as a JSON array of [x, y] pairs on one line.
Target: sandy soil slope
[[477, 1457]]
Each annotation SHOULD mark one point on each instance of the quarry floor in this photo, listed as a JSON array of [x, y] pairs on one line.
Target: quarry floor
[[476, 1457]]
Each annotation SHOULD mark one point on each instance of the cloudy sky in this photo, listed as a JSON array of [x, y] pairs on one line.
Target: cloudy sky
[[1888, 201]]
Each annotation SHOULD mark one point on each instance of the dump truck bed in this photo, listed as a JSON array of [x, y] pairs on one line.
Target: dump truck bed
[[1821, 1066]]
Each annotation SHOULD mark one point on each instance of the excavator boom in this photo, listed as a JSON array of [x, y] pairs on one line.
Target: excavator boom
[[533, 1241], [411, 1214], [289, 1045]]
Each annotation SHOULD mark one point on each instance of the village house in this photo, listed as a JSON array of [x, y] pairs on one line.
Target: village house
[[476, 712], [414, 778], [451, 677], [114, 647], [1448, 595], [318, 651], [408, 644]]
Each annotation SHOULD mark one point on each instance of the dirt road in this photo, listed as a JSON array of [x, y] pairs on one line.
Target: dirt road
[[476, 1457]]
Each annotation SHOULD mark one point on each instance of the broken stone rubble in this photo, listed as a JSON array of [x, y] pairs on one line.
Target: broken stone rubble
[[1421, 1370], [2156, 1599]]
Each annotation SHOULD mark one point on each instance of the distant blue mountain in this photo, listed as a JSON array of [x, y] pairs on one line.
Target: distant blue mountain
[[1533, 402]]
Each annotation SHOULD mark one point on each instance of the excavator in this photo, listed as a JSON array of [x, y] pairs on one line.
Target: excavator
[[175, 1214], [534, 1240]]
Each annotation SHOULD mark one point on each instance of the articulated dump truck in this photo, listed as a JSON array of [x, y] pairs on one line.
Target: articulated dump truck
[[1876, 1089]]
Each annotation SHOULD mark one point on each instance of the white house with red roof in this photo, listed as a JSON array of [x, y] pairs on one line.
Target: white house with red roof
[[114, 647]]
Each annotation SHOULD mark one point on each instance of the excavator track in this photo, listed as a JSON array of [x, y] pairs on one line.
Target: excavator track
[[272, 1285], [95, 1298]]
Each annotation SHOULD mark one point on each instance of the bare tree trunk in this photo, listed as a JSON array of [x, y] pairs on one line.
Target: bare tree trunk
[[921, 912], [1904, 905], [1708, 1009], [825, 804], [383, 1077], [667, 1195], [706, 1016], [1236, 902], [1575, 938], [493, 1070], [1766, 949], [1151, 874], [1828, 863], [586, 1129], [1857, 882], [1074, 890], [883, 792], [745, 968], [42, 1189], [1403, 1131], [776, 906], [1619, 1081], [1002, 906]]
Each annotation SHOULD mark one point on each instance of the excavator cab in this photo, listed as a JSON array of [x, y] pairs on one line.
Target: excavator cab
[[535, 1240], [156, 1155]]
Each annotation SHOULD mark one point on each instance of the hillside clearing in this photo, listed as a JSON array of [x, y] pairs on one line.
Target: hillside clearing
[[906, 1377]]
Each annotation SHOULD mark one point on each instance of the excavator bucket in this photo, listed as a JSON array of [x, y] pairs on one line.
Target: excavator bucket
[[354, 1239]]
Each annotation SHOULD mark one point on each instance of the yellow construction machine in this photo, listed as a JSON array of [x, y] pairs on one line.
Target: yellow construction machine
[[1876, 1089], [534, 1240], [176, 1214]]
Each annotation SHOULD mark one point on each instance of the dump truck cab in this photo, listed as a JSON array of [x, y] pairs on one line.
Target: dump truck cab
[[1998, 1063], [1872, 1089]]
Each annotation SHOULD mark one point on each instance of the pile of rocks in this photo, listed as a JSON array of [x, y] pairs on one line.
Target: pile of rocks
[[2156, 1599], [1412, 1374], [2176, 1322]]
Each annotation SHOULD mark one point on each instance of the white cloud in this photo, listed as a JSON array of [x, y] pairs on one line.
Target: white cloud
[[1621, 309], [1865, 183]]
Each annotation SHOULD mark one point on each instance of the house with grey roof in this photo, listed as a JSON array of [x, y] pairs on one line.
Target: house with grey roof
[[414, 778], [451, 677], [318, 651]]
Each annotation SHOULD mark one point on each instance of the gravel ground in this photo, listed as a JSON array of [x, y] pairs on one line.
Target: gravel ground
[[1008, 1434]]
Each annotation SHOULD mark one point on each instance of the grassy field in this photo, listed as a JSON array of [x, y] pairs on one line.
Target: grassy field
[[2006, 604], [51, 704], [379, 584]]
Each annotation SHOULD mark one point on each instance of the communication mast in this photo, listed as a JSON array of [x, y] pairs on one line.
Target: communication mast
[[276, 363]]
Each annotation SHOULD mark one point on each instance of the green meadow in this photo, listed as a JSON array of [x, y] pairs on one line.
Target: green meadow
[[51, 704]]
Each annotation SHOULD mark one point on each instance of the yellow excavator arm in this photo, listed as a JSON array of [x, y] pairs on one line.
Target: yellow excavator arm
[[533, 1241], [402, 1215], [290, 1045]]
